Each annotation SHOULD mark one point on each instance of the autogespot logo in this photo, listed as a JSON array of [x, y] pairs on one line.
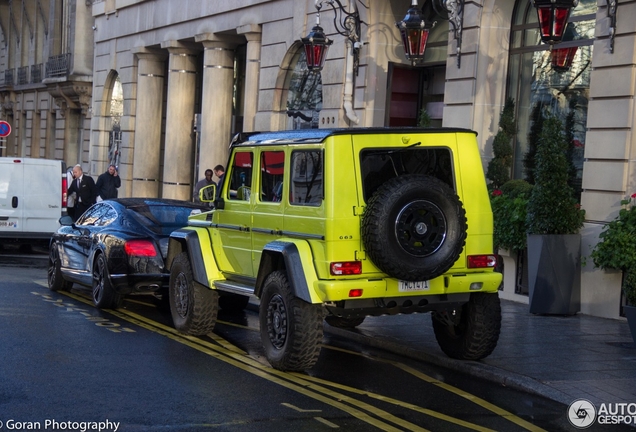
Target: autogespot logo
[[581, 413]]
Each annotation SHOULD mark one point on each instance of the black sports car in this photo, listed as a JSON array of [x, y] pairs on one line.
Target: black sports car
[[117, 247]]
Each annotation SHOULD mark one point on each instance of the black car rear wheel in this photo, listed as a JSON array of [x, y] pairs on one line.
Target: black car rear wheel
[[193, 307], [55, 278], [104, 296]]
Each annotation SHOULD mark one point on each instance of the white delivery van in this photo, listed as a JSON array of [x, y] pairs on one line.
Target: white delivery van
[[32, 197]]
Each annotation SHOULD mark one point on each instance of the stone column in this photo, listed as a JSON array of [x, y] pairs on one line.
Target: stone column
[[216, 109], [179, 147], [147, 148], [252, 33]]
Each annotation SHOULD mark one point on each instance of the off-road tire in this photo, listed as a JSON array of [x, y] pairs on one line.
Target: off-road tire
[[291, 329], [474, 333], [233, 302], [414, 227], [193, 307], [342, 322], [104, 296], [55, 279]]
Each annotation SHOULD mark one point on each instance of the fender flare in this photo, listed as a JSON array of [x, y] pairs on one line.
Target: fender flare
[[194, 241], [300, 273]]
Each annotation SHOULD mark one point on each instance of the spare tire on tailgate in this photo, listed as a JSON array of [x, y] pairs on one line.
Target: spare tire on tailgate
[[414, 227]]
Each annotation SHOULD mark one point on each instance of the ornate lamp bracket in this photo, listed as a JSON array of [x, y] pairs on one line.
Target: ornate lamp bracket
[[611, 14], [454, 10], [347, 24]]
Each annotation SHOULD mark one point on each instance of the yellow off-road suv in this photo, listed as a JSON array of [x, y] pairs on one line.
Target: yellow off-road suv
[[338, 225]]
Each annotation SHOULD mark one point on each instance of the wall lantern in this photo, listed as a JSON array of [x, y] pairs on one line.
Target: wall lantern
[[414, 30], [561, 58], [345, 23], [553, 18]]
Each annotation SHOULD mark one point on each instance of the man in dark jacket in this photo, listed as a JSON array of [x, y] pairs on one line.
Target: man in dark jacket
[[84, 186], [108, 183]]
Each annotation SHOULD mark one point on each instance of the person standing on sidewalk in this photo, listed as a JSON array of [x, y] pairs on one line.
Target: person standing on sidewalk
[[108, 183], [201, 184], [84, 187]]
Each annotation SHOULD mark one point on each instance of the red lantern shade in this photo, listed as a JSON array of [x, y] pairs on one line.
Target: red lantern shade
[[553, 18], [414, 31], [316, 47], [562, 58]]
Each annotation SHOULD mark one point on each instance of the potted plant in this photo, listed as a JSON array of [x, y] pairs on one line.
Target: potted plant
[[509, 208], [617, 250], [554, 218]]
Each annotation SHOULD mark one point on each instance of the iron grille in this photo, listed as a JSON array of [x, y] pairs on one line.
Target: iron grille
[[58, 65], [23, 75], [8, 77], [36, 73]]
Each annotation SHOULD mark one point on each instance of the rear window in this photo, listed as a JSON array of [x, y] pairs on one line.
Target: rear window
[[161, 218], [381, 165]]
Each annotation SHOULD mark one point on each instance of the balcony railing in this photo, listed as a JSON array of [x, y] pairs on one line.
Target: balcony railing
[[23, 75], [8, 77], [36, 73], [58, 66]]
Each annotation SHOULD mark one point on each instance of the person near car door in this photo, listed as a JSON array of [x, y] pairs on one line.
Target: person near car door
[[108, 183], [85, 189], [201, 184], [219, 171]]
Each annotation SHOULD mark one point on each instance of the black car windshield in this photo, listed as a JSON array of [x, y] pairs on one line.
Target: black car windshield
[[161, 219]]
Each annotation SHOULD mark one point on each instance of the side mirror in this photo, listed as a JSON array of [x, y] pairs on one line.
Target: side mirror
[[66, 221], [208, 193]]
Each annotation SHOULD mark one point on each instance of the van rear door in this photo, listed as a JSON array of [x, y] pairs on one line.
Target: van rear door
[[11, 189], [31, 197], [42, 199]]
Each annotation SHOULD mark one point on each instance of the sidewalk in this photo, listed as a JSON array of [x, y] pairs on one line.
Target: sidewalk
[[561, 358]]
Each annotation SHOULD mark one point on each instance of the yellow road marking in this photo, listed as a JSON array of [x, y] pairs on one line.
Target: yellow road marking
[[327, 423], [478, 401], [236, 354], [246, 364], [295, 408], [399, 403]]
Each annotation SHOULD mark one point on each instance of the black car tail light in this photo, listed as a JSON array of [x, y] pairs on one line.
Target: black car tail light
[[144, 248]]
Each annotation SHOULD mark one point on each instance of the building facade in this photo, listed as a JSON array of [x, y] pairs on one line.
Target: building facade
[[170, 82], [46, 78]]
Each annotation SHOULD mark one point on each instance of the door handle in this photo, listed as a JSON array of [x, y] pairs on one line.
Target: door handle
[[14, 202]]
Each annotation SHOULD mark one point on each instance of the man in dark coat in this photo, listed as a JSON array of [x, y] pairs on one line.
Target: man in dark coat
[[85, 189], [108, 183]]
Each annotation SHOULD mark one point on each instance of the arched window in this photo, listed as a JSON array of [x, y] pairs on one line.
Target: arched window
[[304, 97], [115, 111], [557, 81]]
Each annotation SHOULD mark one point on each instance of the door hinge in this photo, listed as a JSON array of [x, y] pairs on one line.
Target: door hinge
[[358, 211], [361, 255]]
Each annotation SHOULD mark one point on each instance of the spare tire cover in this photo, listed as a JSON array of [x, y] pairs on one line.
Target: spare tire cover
[[414, 227]]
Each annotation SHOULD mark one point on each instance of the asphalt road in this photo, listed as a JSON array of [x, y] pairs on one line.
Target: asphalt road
[[65, 361]]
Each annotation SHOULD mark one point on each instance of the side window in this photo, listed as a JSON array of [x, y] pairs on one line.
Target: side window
[[92, 215], [306, 185], [241, 176], [272, 169]]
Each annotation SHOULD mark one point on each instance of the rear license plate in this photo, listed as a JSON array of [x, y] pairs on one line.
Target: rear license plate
[[10, 224], [412, 286]]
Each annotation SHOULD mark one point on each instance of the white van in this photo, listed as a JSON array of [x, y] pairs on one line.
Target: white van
[[32, 197]]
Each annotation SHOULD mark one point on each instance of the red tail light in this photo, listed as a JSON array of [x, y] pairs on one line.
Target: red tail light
[[482, 261], [64, 192], [346, 268], [143, 248]]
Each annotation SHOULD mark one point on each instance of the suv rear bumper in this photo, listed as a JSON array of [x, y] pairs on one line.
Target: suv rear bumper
[[449, 284]]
